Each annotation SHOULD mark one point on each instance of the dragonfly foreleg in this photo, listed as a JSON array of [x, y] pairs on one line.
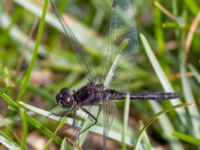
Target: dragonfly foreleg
[[92, 117]]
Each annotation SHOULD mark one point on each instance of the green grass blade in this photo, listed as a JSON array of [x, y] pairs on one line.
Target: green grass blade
[[25, 81], [193, 111], [24, 128], [125, 121], [195, 72], [154, 61], [159, 34], [145, 138], [161, 75], [43, 129], [187, 138], [65, 145], [163, 120], [155, 117], [7, 143], [4, 90], [10, 101], [57, 129], [44, 113], [192, 5], [96, 129], [4, 123]]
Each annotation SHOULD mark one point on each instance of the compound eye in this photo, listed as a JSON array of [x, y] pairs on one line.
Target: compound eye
[[59, 99], [60, 103], [64, 99], [68, 100]]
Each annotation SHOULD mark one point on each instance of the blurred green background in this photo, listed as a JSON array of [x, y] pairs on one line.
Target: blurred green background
[[36, 61]]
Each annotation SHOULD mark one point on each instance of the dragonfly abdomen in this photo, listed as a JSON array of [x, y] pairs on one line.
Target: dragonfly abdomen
[[154, 96], [116, 95]]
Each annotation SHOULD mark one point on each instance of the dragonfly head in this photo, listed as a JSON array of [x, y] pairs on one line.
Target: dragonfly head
[[64, 98]]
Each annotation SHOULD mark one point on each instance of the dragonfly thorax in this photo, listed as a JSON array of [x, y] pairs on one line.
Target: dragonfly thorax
[[64, 98]]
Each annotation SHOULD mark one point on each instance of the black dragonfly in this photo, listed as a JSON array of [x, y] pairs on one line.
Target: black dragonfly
[[122, 46]]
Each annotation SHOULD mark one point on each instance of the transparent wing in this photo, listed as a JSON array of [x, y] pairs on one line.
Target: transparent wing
[[123, 45], [109, 113], [84, 60], [123, 32], [123, 40]]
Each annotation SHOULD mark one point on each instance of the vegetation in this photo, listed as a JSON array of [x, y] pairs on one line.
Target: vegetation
[[36, 61]]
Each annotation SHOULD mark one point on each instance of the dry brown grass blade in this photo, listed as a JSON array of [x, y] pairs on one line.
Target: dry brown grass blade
[[21, 58], [177, 76], [190, 34], [165, 11], [72, 142]]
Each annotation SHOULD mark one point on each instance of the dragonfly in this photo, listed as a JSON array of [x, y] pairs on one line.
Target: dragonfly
[[122, 45]]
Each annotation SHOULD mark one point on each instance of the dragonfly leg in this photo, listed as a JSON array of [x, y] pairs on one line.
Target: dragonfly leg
[[52, 107], [74, 118], [92, 116], [66, 113]]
